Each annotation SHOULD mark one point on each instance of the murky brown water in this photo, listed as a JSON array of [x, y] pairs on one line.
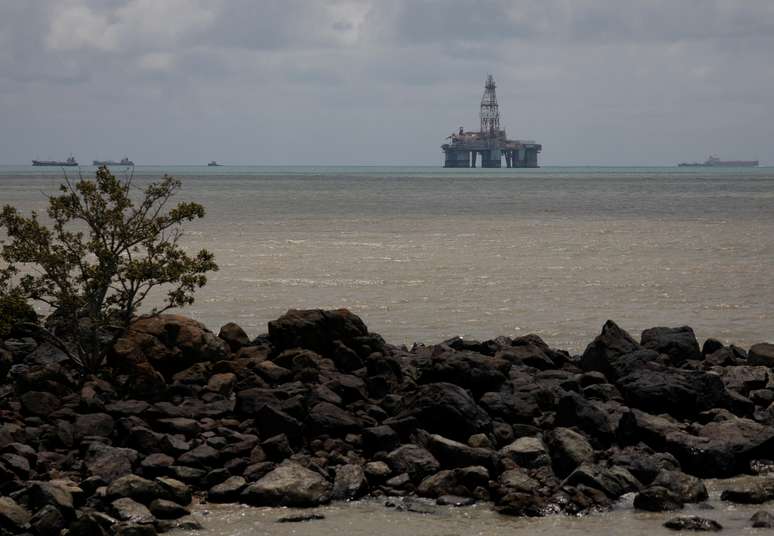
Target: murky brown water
[[371, 518], [423, 254]]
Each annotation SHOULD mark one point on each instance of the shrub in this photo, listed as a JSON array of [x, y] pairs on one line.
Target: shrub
[[100, 256]]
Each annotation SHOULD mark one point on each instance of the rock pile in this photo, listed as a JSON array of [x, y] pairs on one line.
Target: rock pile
[[320, 409]]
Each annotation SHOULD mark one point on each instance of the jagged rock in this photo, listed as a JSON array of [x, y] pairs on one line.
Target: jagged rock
[[453, 482], [277, 447], [109, 462], [476, 372], [325, 418], [517, 480], [688, 488], [612, 481], [414, 460], [568, 450], [761, 354], [377, 471], [694, 523], [316, 330], [40, 403], [657, 499], [679, 344], [526, 452], [749, 490], [290, 484], [234, 335], [57, 493], [350, 482], [611, 343], [13, 516], [164, 509], [227, 491], [380, 438], [684, 393], [48, 520], [644, 463], [222, 383], [94, 424], [175, 490], [272, 421], [574, 410], [135, 487], [453, 454], [447, 410], [126, 509], [170, 343], [745, 378], [762, 520], [201, 456]]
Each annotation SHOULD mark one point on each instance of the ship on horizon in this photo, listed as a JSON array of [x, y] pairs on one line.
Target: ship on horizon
[[714, 161], [123, 162], [70, 162]]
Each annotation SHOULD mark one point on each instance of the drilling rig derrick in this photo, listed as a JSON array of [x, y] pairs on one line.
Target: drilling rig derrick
[[490, 141]]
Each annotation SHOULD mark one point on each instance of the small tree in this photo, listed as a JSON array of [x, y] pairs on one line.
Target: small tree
[[101, 256]]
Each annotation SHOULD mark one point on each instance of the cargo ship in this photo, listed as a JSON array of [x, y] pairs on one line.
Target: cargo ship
[[123, 162], [714, 161], [70, 162]]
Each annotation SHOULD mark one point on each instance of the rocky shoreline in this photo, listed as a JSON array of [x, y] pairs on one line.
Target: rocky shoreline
[[320, 409]]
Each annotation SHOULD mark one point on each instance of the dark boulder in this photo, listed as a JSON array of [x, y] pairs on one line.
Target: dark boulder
[[350, 482], [316, 330], [40, 403], [749, 490], [476, 372], [325, 418], [48, 520], [611, 343], [413, 460], [227, 491], [446, 409], [684, 393], [762, 520], [679, 344], [453, 454], [13, 516], [380, 438], [164, 509], [568, 450], [234, 336], [688, 488], [290, 484], [657, 499], [612, 481], [693, 523], [126, 509], [761, 354], [170, 343], [574, 410], [136, 488]]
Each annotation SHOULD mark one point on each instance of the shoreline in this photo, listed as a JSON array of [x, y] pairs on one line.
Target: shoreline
[[320, 409]]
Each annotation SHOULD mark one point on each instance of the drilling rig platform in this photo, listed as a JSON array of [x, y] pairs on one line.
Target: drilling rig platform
[[490, 141]]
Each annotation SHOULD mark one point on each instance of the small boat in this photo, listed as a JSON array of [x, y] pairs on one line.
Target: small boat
[[70, 162], [213, 164], [123, 162]]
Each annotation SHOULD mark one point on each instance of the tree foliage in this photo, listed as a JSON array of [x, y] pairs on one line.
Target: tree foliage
[[101, 255]]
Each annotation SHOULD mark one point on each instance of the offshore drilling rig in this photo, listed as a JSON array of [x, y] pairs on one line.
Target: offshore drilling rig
[[490, 141]]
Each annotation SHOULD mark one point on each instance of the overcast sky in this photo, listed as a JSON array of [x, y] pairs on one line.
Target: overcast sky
[[383, 81]]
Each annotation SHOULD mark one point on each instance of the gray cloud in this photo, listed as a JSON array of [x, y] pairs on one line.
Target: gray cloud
[[369, 81]]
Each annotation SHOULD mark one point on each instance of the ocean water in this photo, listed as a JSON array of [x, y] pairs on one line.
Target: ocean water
[[425, 253]]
